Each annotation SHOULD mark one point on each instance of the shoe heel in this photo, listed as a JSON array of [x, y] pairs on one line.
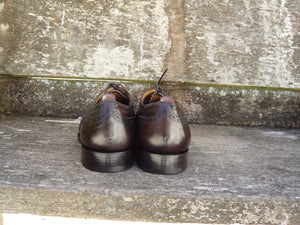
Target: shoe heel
[[106, 162], [162, 164]]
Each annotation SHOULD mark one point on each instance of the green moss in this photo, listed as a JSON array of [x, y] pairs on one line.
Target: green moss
[[152, 82], [241, 87]]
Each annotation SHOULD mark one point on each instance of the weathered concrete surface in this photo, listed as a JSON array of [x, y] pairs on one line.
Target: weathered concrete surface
[[205, 104], [94, 38], [244, 42], [235, 175], [158, 209], [227, 42]]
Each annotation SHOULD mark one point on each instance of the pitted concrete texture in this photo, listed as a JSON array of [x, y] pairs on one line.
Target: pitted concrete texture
[[244, 42], [205, 104], [94, 38], [235, 175], [226, 42]]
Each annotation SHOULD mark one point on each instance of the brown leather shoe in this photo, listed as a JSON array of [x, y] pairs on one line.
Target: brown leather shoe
[[107, 132], [163, 133]]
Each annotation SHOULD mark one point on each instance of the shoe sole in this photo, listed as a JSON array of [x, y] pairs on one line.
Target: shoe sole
[[106, 162], [162, 164]]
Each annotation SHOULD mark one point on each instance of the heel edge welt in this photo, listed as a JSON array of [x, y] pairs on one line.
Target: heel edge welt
[[162, 164], [105, 161]]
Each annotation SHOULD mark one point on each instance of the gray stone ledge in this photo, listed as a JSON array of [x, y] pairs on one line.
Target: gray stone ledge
[[205, 103], [235, 175], [154, 209]]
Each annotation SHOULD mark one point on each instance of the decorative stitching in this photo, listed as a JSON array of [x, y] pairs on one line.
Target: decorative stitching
[[170, 113], [104, 114]]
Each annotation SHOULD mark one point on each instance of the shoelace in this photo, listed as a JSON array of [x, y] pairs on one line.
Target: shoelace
[[120, 89], [158, 88], [115, 88]]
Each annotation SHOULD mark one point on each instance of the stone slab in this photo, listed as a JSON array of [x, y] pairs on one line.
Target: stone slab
[[235, 175], [243, 42], [226, 42], [84, 38], [205, 103]]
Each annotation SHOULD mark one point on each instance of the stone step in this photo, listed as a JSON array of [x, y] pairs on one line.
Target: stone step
[[236, 175], [69, 97]]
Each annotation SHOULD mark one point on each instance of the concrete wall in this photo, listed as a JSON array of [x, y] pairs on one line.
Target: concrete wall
[[243, 42]]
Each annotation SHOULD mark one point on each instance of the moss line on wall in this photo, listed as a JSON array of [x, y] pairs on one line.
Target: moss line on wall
[[165, 82]]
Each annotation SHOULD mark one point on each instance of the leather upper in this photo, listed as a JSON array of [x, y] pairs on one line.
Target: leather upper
[[110, 125], [161, 125]]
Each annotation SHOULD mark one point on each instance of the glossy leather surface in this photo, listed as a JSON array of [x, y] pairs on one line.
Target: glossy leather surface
[[161, 125], [110, 125]]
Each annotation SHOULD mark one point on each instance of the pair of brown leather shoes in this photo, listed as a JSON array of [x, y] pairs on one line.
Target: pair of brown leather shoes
[[112, 135]]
